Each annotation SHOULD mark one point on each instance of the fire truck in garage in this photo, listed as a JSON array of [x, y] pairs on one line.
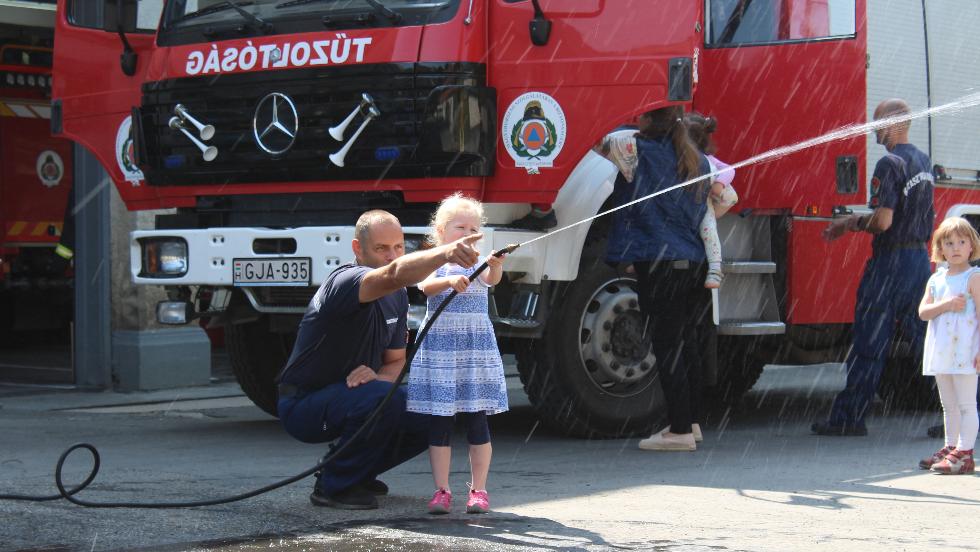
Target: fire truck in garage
[[35, 182]]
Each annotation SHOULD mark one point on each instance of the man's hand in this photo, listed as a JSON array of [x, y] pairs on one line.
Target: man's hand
[[360, 375], [462, 252], [837, 228], [459, 283], [976, 364], [956, 304]]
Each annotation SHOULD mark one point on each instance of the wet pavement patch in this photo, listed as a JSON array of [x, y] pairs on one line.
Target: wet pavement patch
[[451, 533]]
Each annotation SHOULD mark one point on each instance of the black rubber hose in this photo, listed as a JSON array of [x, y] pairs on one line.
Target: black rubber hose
[[69, 495]]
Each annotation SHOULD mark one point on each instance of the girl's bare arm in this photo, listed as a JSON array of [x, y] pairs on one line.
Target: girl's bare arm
[[930, 308], [434, 286]]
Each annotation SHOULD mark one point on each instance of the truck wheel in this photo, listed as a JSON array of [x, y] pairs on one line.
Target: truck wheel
[[740, 360], [903, 387], [592, 374], [257, 355]]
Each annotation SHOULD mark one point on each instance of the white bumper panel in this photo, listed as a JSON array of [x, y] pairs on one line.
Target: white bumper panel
[[211, 251]]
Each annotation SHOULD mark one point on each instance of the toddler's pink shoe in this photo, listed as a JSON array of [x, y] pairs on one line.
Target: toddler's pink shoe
[[479, 503], [441, 502], [936, 457], [958, 462]]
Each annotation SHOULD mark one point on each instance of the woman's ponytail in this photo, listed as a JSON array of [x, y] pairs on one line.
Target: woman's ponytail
[[669, 121], [688, 159]]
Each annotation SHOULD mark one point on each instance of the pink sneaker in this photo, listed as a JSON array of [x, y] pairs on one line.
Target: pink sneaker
[[441, 502], [479, 503]]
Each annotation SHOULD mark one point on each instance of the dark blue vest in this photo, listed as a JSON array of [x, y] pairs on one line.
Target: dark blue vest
[[664, 227]]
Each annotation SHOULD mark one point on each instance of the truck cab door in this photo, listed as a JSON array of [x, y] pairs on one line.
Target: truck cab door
[[579, 69], [778, 72], [101, 51]]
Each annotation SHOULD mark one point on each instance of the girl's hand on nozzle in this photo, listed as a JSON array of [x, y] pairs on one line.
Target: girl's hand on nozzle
[[495, 262], [459, 283]]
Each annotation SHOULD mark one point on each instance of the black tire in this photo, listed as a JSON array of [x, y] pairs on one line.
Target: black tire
[[257, 355], [572, 392], [741, 361], [903, 387]]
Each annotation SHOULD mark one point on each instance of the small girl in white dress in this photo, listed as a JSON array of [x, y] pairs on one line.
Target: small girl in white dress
[[458, 370], [952, 345]]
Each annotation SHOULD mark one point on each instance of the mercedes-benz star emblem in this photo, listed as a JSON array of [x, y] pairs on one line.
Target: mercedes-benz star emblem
[[275, 123]]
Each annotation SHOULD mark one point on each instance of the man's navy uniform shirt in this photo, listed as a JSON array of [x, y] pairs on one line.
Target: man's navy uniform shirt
[[903, 182], [339, 333]]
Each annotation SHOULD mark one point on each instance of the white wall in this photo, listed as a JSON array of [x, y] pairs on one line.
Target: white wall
[[954, 67], [896, 45]]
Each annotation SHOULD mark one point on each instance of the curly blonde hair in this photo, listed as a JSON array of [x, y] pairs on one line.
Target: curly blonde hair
[[959, 226], [448, 209]]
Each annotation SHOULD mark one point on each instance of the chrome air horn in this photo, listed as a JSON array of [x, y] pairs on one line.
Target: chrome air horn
[[338, 131], [206, 131], [209, 152], [338, 157]]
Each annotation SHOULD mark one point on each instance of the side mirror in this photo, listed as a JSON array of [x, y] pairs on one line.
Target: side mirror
[[119, 16], [539, 26]]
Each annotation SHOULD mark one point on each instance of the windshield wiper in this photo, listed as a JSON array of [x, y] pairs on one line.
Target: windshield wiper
[[384, 10], [394, 16], [261, 24]]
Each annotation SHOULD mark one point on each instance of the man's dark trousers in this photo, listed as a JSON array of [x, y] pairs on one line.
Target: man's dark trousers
[[889, 294], [337, 412]]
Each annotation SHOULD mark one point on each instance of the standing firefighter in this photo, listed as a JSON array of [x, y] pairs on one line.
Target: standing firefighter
[[896, 273]]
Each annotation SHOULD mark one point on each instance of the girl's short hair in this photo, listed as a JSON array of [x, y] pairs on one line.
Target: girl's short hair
[[449, 208], [701, 128], [950, 226]]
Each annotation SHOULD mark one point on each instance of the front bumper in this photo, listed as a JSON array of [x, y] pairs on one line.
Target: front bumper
[[211, 252]]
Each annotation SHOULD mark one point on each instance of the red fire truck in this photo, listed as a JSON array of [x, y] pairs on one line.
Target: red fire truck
[[35, 181], [267, 126]]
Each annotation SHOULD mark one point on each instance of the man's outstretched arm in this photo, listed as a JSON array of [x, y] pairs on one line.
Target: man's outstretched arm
[[415, 267]]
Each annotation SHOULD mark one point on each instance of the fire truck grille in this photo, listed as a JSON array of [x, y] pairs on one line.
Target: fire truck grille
[[389, 146]]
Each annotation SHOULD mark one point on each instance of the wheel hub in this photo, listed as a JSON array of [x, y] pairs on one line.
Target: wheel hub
[[615, 352]]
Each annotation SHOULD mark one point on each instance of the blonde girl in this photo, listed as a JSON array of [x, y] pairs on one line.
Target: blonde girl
[[458, 369]]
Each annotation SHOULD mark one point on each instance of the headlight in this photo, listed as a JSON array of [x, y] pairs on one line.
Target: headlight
[[164, 257]]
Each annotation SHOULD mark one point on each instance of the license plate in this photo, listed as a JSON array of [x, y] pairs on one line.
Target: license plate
[[272, 272]]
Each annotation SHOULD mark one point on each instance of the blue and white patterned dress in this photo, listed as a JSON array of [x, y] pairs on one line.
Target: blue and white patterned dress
[[458, 366]]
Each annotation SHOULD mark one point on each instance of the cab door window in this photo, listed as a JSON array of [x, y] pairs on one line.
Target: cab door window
[[95, 15], [741, 22]]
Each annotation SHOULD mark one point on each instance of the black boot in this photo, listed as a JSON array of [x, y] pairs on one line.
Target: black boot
[[536, 220], [351, 498]]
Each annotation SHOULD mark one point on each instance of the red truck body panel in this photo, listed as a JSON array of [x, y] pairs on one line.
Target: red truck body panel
[[35, 167]]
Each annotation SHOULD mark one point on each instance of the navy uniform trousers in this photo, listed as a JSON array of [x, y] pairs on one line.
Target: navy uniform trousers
[[888, 297], [337, 412]]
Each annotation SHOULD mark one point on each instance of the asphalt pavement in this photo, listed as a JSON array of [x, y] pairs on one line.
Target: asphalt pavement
[[758, 482]]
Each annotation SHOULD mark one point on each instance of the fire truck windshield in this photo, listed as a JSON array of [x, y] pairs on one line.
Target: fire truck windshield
[[186, 21]]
